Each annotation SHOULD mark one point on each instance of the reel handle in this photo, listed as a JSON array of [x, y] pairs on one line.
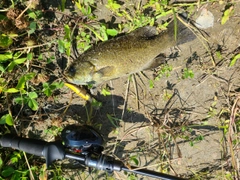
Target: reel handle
[[31, 146], [50, 150]]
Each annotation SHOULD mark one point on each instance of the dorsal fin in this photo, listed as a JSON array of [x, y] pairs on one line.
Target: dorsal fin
[[145, 32]]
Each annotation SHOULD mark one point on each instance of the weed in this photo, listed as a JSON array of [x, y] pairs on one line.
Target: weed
[[6, 119], [106, 91], [114, 121], [167, 95], [114, 7], [5, 41], [188, 134], [227, 13], [187, 73], [64, 46], [85, 7], [49, 88], [234, 60], [15, 168], [29, 98], [212, 110], [196, 140], [54, 131], [134, 159], [164, 71]]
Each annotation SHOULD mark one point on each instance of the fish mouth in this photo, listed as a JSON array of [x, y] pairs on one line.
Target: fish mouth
[[66, 76], [69, 80], [75, 81]]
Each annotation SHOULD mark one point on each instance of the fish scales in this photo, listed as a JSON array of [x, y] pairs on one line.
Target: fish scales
[[123, 55], [125, 51]]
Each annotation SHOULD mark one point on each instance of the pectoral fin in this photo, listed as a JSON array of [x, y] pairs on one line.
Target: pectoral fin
[[157, 61], [104, 72]]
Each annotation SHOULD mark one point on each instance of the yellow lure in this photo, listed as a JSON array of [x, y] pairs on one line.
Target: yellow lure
[[79, 91]]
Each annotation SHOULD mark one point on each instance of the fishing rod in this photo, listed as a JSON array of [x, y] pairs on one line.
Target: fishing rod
[[81, 143]]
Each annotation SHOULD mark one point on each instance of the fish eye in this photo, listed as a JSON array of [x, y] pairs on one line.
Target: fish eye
[[72, 70]]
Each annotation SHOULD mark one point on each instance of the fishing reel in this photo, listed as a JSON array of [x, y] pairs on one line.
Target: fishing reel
[[85, 145], [82, 139]]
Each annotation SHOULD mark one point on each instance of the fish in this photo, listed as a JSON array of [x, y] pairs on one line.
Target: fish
[[124, 55]]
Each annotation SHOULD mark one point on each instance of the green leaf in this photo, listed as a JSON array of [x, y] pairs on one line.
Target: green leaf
[[187, 73], [21, 83], [2, 17], [61, 46], [24, 79], [67, 33], [135, 160], [79, 6], [5, 41], [103, 33], [86, 10], [17, 54], [63, 2], [6, 56], [47, 89], [112, 32], [191, 143], [32, 15], [227, 13], [14, 159], [32, 103], [116, 6], [56, 85], [11, 65], [32, 95], [16, 156], [29, 76], [1, 162], [12, 90], [68, 48], [2, 68], [96, 104], [47, 92], [184, 128], [6, 119], [33, 27], [16, 62], [7, 171], [105, 92], [199, 138], [3, 119], [9, 120], [46, 85], [30, 56], [151, 84], [112, 120], [20, 100], [132, 177], [89, 10], [20, 60], [234, 60], [40, 57]]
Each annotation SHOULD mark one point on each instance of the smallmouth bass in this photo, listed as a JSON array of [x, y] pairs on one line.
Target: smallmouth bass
[[124, 55]]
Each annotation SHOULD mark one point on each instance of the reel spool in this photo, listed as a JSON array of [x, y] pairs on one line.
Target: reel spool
[[82, 139]]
